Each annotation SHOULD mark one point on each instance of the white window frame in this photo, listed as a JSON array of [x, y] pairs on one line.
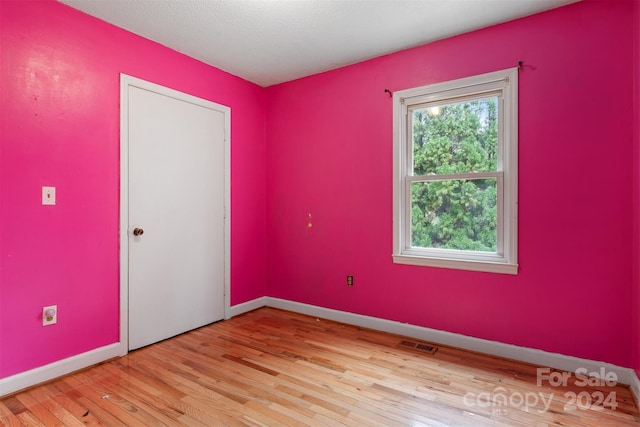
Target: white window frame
[[505, 259]]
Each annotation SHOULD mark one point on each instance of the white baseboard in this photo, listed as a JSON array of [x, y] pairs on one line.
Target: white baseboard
[[529, 355], [57, 369], [245, 307], [536, 357]]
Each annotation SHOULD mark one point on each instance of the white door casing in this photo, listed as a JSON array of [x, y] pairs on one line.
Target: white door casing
[[175, 187]]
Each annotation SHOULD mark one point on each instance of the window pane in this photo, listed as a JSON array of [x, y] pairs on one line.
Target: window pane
[[454, 214], [456, 138]]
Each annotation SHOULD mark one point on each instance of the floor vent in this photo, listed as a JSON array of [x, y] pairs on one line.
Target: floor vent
[[428, 348]]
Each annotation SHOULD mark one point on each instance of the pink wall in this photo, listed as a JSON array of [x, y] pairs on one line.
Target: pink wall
[[60, 126], [328, 154], [636, 189], [329, 151]]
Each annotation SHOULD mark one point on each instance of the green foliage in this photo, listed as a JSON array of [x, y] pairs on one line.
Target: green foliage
[[456, 213]]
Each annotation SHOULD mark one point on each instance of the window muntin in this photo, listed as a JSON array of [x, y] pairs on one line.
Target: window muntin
[[455, 163]]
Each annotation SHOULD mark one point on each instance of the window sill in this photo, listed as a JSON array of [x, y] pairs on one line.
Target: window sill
[[484, 266]]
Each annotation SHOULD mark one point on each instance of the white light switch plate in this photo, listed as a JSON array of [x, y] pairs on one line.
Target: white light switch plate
[[48, 195]]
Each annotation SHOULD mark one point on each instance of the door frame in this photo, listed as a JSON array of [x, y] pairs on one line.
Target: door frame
[[127, 81]]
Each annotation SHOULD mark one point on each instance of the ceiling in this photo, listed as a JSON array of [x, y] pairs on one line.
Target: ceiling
[[274, 41]]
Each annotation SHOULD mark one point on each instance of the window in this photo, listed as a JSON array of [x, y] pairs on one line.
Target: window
[[455, 174]]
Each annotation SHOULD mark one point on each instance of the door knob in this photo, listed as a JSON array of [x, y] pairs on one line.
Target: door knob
[[138, 231]]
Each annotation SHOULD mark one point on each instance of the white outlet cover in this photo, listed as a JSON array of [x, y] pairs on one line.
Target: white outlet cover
[[48, 195], [54, 320]]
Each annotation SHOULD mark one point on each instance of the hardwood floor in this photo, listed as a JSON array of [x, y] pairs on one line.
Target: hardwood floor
[[276, 368]]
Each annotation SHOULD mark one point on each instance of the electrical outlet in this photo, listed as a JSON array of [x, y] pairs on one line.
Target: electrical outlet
[[49, 315], [349, 280]]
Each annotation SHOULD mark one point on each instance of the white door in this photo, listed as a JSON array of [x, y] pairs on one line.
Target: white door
[[176, 196]]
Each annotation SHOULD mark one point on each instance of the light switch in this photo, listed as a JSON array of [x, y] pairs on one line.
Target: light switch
[[48, 195]]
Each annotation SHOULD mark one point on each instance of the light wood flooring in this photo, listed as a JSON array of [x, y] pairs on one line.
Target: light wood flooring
[[275, 368]]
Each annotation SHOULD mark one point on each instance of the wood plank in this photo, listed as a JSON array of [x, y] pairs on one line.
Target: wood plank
[[7, 417], [39, 411]]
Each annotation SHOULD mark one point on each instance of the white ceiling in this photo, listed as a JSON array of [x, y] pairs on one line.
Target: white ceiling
[[274, 41]]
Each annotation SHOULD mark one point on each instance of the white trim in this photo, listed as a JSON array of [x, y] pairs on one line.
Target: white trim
[[529, 355], [459, 264], [57, 369], [246, 307], [125, 82], [124, 214], [227, 212]]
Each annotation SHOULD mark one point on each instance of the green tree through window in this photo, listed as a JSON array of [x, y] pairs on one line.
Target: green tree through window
[[455, 139]]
